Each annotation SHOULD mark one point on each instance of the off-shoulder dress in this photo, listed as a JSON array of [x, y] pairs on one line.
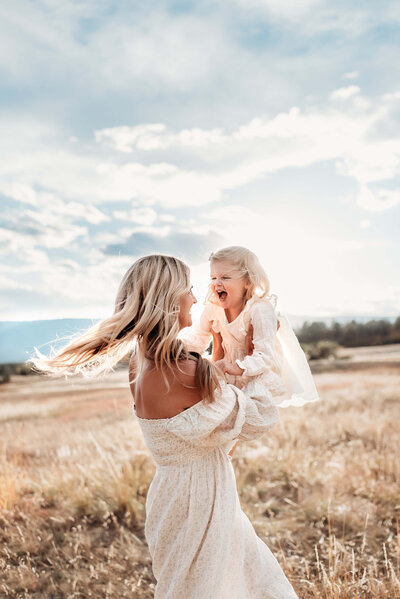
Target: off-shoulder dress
[[202, 544]]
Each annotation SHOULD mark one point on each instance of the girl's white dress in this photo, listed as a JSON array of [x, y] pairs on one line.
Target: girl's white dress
[[202, 544], [277, 360]]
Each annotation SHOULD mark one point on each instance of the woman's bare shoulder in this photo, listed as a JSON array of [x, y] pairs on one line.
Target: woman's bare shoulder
[[153, 397]]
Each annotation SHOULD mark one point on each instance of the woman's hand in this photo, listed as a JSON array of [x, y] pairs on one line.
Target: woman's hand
[[229, 367]]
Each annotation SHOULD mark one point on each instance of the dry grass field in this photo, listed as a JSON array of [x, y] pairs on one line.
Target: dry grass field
[[322, 488]]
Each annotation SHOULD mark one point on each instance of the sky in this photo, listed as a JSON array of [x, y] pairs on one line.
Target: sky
[[183, 127]]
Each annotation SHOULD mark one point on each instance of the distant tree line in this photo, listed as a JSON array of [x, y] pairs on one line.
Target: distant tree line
[[351, 334], [316, 338]]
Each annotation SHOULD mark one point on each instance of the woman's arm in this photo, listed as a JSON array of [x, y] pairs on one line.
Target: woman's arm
[[234, 414]]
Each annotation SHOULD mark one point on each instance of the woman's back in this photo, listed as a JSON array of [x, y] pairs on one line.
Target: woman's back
[[152, 397]]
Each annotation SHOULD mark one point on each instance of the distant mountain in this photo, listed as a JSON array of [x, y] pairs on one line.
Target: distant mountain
[[17, 339]]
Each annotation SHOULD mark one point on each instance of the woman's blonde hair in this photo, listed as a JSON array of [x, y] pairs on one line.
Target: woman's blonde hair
[[247, 263], [146, 312]]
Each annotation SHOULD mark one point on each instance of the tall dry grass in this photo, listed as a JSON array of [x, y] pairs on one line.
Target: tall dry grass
[[322, 490]]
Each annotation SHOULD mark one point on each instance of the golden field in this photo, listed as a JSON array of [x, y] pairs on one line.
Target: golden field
[[322, 488]]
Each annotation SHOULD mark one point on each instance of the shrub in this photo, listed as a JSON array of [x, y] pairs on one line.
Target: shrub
[[320, 350]]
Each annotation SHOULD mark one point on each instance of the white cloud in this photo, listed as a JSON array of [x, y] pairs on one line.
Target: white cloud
[[167, 218], [201, 166], [264, 145], [155, 136], [119, 53], [22, 247], [19, 192], [376, 202], [145, 137], [48, 229], [77, 211], [7, 283], [284, 9], [160, 232], [140, 216], [395, 96], [344, 93], [209, 119], [311, 17], [163, 183], [233, 214], [351, 75], [105, 238]]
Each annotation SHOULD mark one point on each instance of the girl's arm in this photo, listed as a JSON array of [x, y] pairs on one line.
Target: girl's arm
[[217, 351]]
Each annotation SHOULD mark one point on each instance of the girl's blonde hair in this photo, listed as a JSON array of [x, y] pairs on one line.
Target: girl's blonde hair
[[146, 312], [248, 265]]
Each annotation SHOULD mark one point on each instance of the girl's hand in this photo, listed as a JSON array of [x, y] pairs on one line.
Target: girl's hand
[[249, 341], [218, 351], [229, 367]]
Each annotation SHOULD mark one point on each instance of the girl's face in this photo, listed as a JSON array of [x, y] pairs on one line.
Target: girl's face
[[186, 302], [228, 284]]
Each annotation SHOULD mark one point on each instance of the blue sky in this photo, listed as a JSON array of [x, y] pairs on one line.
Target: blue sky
[[182, 127]]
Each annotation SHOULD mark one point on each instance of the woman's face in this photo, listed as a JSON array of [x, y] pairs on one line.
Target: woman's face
[[186, 302], [227, 284]]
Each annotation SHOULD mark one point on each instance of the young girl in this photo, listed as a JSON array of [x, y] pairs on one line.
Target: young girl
[[237, 308]]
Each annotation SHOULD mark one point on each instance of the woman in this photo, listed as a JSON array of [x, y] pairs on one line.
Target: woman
[[202, 544]]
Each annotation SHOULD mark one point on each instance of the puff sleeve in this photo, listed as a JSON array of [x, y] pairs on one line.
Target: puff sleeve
[[263, 358], [234, 414], [198, 336]]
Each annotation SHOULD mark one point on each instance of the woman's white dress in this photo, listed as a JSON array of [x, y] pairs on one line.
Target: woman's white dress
[[202, 544]]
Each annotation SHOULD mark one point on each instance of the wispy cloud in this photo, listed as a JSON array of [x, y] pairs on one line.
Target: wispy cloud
[[193, 247], [123, 132], [344, 93], [262, 146]]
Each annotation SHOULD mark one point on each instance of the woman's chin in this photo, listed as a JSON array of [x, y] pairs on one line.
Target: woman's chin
[[188, 322], [183, 325]]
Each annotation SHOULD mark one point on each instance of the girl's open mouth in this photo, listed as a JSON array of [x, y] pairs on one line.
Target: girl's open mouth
[[222, 295]]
